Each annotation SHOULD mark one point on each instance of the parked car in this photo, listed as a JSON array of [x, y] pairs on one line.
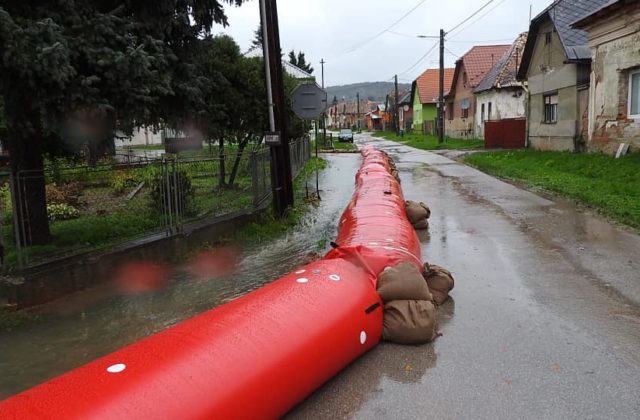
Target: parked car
[[345, 135]]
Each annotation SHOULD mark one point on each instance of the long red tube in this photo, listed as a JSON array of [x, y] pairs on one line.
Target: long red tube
[[260, 355]]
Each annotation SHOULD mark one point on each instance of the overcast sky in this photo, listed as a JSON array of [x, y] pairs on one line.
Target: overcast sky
[[338, 31]]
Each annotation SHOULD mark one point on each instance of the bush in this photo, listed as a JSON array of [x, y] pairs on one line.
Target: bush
[[164, 196], [62, 212], [68, 193], [121, 181]]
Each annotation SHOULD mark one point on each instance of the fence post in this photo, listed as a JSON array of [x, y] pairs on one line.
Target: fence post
[[15, 196], [253, 164]]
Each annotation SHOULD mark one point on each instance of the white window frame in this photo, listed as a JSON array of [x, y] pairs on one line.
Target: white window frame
[[630, 115]]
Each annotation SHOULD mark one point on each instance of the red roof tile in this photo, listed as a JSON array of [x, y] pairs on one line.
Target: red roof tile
[[480, 59], [428, 84]]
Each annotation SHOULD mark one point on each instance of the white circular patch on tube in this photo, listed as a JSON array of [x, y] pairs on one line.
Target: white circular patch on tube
[[363, 337], [334, 277], [373, 243], [117, 368], [302, 280], [300, 271]]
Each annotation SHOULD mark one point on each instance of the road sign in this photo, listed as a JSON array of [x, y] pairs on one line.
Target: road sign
[[309, 101], [272, 138]]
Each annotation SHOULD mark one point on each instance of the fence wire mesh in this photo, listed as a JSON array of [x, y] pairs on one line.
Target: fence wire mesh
[[95, 207]]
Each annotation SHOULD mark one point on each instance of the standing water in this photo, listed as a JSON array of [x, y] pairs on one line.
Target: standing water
[[75, 330]]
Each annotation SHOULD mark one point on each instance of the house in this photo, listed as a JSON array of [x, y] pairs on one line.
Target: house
[[378, 118], [499, 95], [470, 70], [556, 64], [425, 91], [405, 112], [346, 114], [614, 98]]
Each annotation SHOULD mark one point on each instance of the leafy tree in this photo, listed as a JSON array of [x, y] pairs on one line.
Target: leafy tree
[[300, 61], [76, 69], [257, 38], [236, 107]]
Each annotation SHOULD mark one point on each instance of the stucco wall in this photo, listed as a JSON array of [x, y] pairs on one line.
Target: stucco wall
[[422, 112], [505, 103], [549, 73], [615, 50], [141, 136]]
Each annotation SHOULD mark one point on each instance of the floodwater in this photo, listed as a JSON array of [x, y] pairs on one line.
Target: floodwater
[[544, 320], [75, 330]]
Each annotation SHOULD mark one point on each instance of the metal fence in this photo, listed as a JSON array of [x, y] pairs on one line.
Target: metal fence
[[96, 207]]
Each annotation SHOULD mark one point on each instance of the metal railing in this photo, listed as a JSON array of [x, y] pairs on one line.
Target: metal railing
[[95, 207]]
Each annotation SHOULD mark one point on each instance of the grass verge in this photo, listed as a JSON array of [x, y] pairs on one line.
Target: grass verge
[[611, 186], [424, 142]]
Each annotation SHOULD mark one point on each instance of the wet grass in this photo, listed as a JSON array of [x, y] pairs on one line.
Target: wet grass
[[611, 186], [344, 146], [424, 142], [269, 226]]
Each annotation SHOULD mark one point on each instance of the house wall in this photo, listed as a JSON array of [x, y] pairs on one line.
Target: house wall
[[460, 127], [141, 136], [417, 111], [548, 72], [614, 45], [505, 103]]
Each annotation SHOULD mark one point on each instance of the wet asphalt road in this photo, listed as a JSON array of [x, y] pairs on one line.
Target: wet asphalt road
[[545, 317]]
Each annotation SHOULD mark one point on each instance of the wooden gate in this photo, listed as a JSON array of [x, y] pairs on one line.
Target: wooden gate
[[505, 134]]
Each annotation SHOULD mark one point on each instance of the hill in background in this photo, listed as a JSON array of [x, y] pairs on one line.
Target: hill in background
[[373, 91]]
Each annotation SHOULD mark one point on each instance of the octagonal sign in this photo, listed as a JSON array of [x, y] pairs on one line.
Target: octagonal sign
[[309, 101]]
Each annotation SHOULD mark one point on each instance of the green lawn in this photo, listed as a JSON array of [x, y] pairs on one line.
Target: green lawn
[[612, 186], [344, 146], [421, 141]]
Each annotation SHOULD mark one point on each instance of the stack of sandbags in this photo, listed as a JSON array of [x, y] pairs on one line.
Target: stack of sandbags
[[418, 213], [392, 168], [409, 313], [440, 282]]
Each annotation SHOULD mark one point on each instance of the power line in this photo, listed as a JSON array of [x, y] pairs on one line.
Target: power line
[[479, 18], [357, 46], [479, 41], [429, 51], [472, 15]]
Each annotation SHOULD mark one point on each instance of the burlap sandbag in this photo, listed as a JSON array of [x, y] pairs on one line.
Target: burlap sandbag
[[415, 212], [422, 224], [402, 282], [424, 206], [440, 282], [409, 322]]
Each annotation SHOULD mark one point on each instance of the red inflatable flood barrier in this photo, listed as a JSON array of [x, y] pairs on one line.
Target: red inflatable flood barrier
[[259, 355]]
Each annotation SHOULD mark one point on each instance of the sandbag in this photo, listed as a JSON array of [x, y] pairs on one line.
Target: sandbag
[[422, 224], [417, 213], [409, 322], [440, 282], [403, 282]]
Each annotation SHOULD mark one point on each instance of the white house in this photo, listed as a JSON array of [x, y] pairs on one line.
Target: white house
[[499, 95]]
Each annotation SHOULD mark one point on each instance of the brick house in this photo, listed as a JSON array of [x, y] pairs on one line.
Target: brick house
[[556, 64], [614, 97], [470, 69]]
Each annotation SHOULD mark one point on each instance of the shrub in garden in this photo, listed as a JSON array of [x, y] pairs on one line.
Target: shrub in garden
[[68, 193], [121, 181], [170, 191], [62, 211]]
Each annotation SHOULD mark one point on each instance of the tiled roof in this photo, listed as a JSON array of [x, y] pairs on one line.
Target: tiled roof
[[610, 7], [405, 99], [479, 60], [428, 84], [503, 73]]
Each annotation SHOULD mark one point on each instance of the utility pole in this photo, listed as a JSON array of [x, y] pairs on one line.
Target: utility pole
[[441, 95], [358, 109], [281, 179], [397, 110], [324, 119]]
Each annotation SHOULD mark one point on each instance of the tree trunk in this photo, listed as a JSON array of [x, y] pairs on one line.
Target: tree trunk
[[221, 172], [24, 128], [236, 164]]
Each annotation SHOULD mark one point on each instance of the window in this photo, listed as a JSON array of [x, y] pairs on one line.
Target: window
[[464, 105], [551, 108], [634, 94], [465, 113], [489, 112], [482, 113], [547, 38]]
